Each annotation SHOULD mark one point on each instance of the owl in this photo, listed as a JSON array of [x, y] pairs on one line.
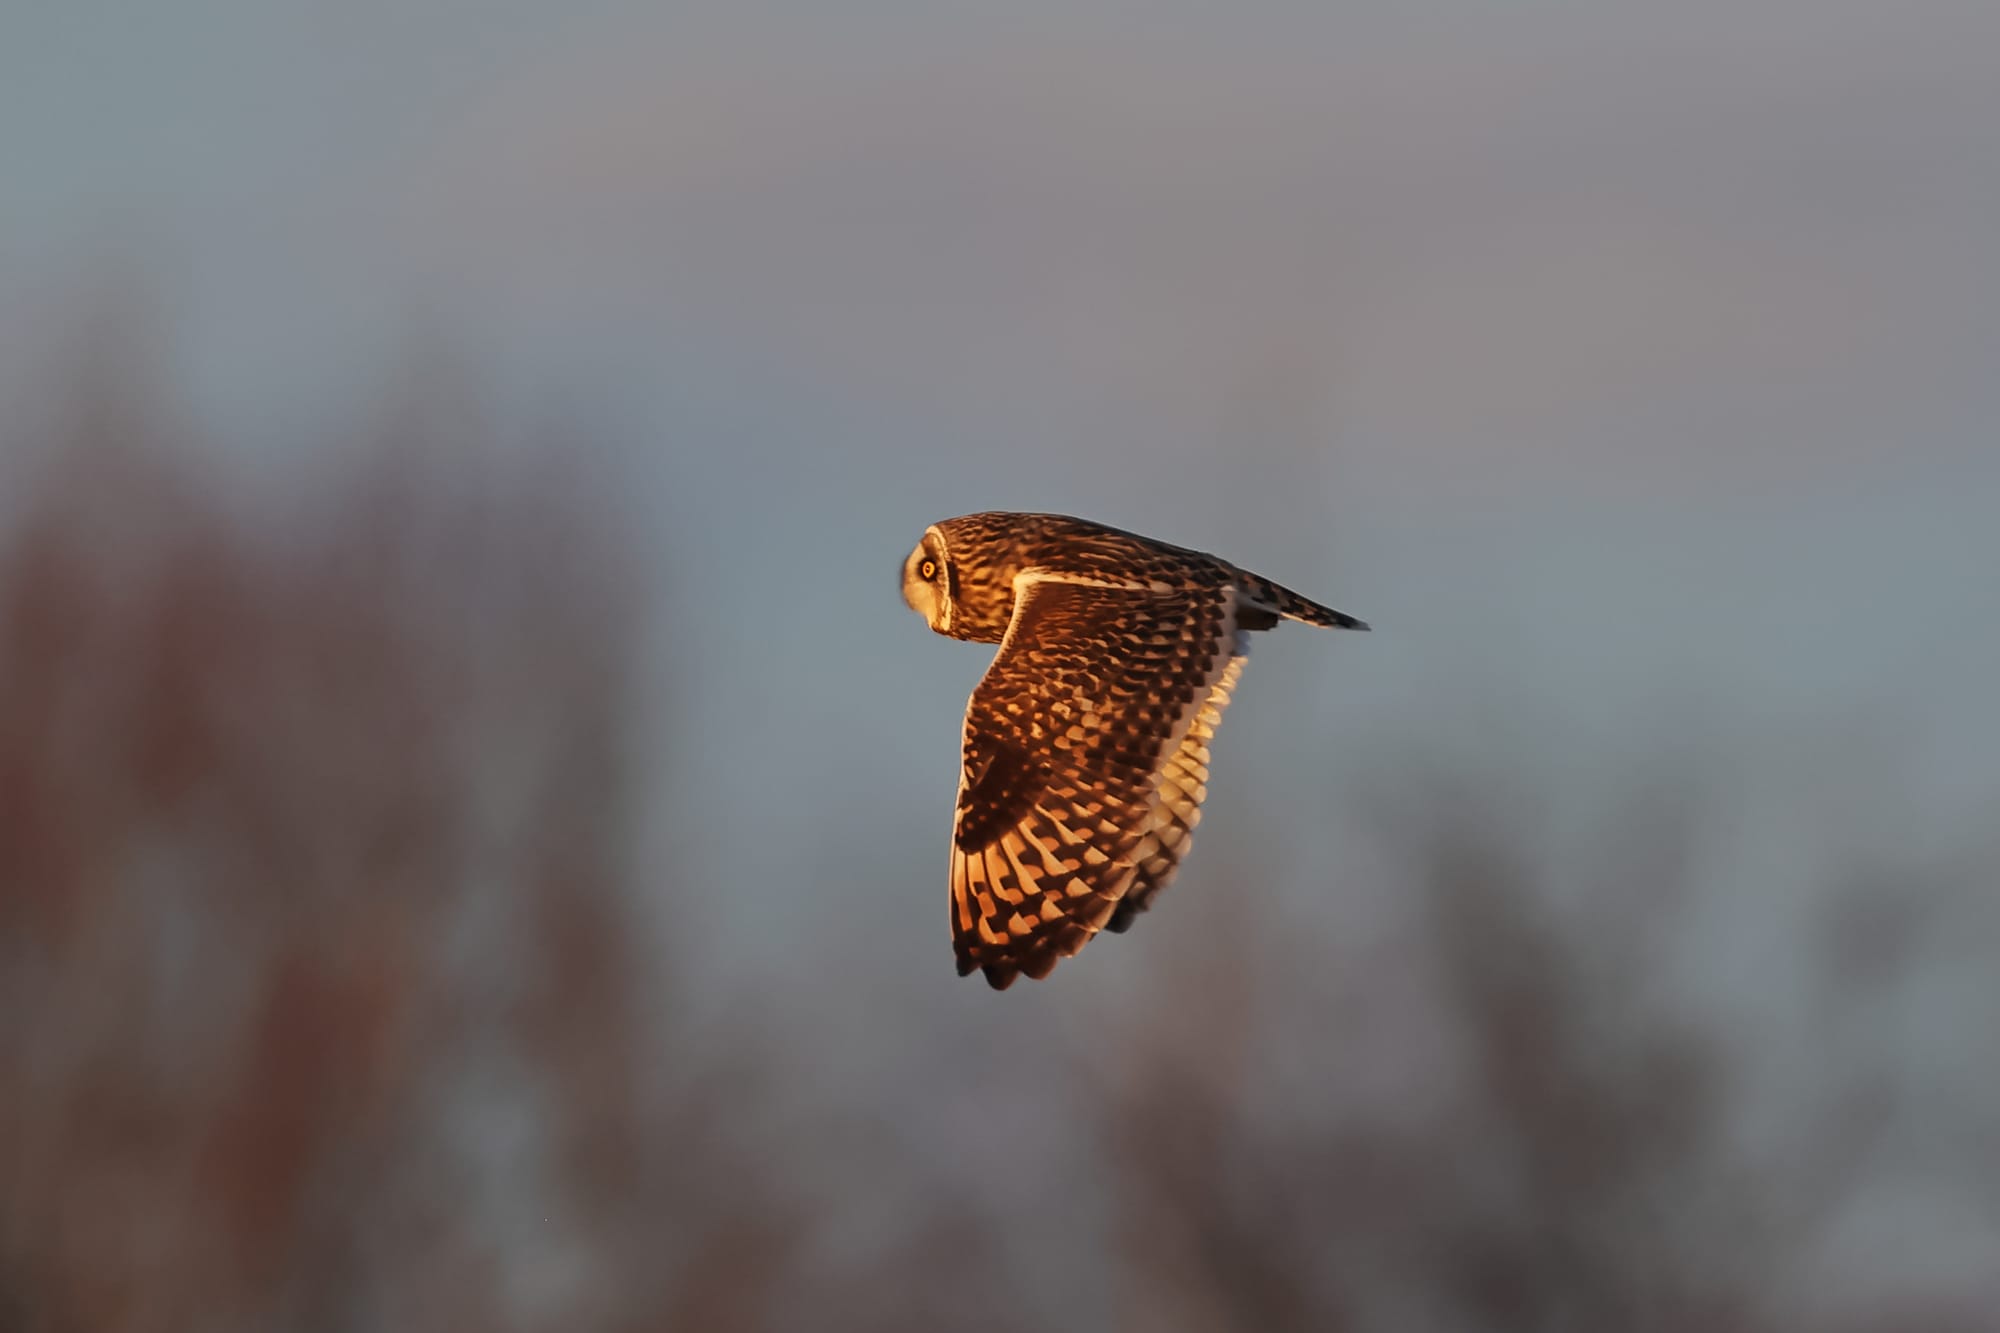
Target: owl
[[1085, 758]]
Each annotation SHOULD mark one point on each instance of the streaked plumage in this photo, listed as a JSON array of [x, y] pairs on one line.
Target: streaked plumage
[[1086, 743]]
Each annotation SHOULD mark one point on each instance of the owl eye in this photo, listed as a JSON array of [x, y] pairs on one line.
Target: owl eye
[[928, 569]]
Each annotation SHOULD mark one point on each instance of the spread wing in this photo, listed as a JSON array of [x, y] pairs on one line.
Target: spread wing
[[1085, 764]]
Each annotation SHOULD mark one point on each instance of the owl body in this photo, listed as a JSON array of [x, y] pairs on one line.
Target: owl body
[[1085, 757]]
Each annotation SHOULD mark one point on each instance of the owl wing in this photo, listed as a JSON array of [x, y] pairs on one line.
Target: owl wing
[[1085, 763], [1183, 787]]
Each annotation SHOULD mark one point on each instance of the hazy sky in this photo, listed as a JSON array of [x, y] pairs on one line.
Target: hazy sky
[[1452, 246]]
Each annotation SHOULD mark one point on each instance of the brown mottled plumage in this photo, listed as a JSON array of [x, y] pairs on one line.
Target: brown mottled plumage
[[1086, 744]]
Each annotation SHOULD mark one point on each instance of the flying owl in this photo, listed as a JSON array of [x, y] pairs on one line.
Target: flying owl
[[1086, 743]]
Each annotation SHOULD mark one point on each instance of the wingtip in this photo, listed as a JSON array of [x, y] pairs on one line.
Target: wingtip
[[1003, 973]]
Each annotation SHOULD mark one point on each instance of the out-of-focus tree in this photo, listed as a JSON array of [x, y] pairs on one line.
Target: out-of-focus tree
[[1568, 1153], [321, 998]]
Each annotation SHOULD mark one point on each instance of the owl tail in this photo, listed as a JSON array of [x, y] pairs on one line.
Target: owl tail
[[1285, 603]]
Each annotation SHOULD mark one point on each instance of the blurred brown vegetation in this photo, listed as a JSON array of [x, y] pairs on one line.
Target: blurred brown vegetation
[[324, 1005], [325, 1001], [1566, 1149]]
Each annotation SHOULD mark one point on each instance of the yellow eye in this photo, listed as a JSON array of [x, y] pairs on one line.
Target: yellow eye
[[928, 569]]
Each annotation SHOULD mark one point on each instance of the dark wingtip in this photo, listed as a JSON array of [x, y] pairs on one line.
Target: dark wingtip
[[1332, 619], [1034, 964]]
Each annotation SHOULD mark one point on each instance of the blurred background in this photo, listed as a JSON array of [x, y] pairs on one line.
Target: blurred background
[[473, 806]]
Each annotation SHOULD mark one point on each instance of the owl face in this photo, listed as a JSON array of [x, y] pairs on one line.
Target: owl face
[[927, 582]]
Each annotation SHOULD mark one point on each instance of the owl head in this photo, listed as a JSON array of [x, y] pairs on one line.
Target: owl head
[[960, 577], [927, 581]]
